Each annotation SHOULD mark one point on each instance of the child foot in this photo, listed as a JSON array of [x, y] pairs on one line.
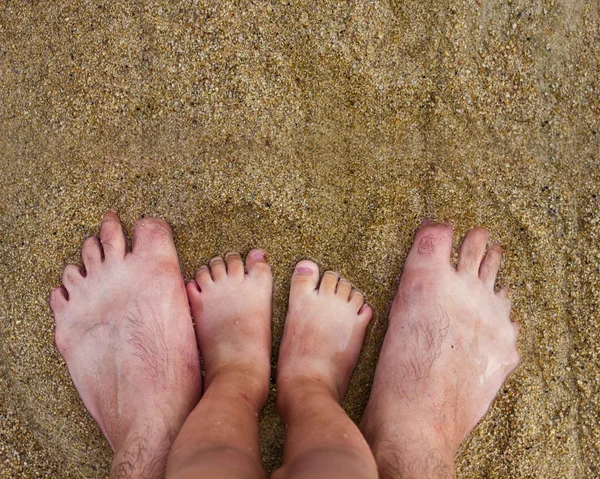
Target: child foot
[[323, 333], [449, 347], [232, 309], [125, 332]]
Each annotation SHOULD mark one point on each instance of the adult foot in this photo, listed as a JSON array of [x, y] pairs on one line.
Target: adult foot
[[232, 309], [324, 331], [123, 327], [449, 347]]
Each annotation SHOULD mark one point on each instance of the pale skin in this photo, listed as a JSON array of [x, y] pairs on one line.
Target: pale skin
[[126, 334], [449, 347], [125, 331]]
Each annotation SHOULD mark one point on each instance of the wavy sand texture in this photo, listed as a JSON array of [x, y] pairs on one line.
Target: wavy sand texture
[[322, 130]]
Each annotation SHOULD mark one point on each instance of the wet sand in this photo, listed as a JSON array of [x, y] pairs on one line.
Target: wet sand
[[314, 131]]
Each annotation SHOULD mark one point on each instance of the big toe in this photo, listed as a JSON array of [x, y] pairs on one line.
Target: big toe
[[153, 236], [305, 277], [432, 245]]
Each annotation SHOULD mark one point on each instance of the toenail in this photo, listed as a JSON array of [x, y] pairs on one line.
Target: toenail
[[304, 270], [427, 246], [257, 255]]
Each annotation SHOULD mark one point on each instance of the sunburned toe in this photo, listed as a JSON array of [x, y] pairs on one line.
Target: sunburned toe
[[432, 245], [153, 237]]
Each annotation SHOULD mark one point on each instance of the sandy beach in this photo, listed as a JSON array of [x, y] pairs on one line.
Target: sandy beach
[[314, 130]]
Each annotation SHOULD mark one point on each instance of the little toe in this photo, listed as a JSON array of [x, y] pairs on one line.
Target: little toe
[[112, 237], [491, 265], [217, 268], [71, 277], [203, 277], [153, 236], [91, 254], [195, 300], [433, 244], [365, 312], [257, 264], [328, 283], [235, 265], [305, 277], [344, 287], [58, 300], [193, 292], [472, 251], [357, 299]]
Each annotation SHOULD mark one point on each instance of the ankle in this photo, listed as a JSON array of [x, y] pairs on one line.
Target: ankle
[[413, 462], [329, 462], [410, 449], [142, 456], [245, 381], [215, 462], [300, 390]]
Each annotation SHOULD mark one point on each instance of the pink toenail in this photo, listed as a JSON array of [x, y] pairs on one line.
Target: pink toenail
[[257, 255], [303, 270]]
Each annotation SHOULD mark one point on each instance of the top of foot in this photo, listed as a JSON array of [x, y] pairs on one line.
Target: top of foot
[[324, 329], [124, 329], [231, 305], [449, 347]]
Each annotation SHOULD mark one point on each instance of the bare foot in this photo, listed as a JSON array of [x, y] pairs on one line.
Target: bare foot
[[324, 330], [125, 332], [232, 309], [323, 334], [449, 347]]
